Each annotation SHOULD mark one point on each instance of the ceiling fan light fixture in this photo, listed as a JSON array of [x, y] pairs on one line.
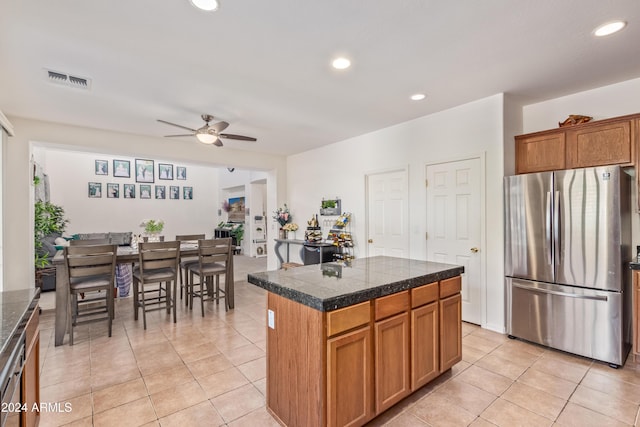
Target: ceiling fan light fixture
[[206, 137], [206, 5]]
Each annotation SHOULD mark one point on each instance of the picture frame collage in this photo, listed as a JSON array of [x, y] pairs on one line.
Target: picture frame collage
[[145, 174]]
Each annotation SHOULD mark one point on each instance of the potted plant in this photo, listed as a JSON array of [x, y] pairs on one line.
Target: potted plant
[[153, 228], [49, 222]]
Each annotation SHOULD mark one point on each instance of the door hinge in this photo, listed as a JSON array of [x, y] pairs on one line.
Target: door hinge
[[426, 236], [426, 182]]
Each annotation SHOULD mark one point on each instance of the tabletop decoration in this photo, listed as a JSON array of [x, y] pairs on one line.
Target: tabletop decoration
[[283, 217], [290, 227], [152, 228]]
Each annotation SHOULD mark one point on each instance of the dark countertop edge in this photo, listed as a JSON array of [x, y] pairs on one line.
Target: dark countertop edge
[[633, 265], [22, 322], [346, 300]]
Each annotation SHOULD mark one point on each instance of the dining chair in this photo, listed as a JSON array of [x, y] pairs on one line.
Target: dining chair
[[191, 238], [90, 268], [213, 261], [155, 278]]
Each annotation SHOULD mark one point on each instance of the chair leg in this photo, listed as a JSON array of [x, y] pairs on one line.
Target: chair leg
[[135, 299], [204, 283], [144, 309], [72, 301], [181, 282], [174, 303], [190, 285]]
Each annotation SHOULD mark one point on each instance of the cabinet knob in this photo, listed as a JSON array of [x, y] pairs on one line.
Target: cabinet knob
[[474, 250], [370, 240]]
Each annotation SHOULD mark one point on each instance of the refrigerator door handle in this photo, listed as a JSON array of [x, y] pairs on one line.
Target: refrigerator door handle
[[563, 294], [556, 227], [548, 228]]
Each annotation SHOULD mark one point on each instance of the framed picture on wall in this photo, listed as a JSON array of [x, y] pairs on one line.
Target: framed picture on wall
[[165, 171], [174, 192], [161, 191], [122, 168], [95, 189], [236, 209], [181, 172], [129, 191], [187, 193], [145, 191], [102, 167], [113, 191], [144, 170]]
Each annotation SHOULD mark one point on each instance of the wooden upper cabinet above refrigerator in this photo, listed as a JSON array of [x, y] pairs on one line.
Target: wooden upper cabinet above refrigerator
[[604, 142]]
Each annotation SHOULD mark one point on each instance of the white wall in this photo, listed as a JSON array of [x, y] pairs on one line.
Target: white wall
[[70, 172], [339, 170], [602, 103], [18, 204]]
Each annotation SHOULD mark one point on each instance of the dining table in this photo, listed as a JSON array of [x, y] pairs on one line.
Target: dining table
[[126, 255]]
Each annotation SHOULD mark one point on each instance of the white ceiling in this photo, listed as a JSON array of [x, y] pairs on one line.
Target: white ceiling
[[264, 66]]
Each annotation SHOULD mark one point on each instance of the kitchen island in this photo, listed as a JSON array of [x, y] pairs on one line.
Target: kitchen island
[[347, 342]]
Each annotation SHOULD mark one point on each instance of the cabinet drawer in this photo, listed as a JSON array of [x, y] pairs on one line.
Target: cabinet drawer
[[424, 294], [391, 304], [450, 287], [32, 327], [348, 318]]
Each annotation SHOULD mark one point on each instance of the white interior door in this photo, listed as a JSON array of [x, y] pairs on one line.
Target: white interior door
[[454, 226], [388, 214]]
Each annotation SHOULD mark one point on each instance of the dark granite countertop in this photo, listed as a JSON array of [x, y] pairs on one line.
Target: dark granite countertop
[[331, 286], [634, 265], [15, 308]]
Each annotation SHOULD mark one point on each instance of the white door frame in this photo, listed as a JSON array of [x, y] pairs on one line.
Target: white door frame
[[367, 174], [483, 223]]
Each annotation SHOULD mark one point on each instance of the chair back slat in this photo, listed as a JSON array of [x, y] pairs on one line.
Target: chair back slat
[[189, 237]]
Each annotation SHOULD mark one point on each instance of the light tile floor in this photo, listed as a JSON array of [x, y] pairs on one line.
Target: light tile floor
[[211, 372]]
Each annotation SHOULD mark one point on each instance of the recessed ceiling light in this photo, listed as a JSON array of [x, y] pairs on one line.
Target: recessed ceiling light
[[341, 63], [609, 28], [418, 96], [208, 5]]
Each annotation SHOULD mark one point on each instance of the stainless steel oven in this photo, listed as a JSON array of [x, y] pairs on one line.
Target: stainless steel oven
[[11, 381]]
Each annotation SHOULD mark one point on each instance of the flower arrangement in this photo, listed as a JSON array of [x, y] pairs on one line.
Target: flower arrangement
[[152, 226], [292, 226], [282, 215]]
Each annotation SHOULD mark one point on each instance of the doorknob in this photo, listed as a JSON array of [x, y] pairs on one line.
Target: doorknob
[[370, 240], [474, 250]]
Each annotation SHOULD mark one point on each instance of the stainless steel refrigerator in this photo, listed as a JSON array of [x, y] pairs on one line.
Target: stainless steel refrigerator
[[567, 248]]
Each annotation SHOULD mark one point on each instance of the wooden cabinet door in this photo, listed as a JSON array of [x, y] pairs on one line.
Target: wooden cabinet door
[[450, 331], [391, 361], [349, 382], [425, 357], [593, 145], [539, 153]]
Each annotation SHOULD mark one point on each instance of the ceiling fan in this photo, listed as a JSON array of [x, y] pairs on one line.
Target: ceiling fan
[[209, 133]]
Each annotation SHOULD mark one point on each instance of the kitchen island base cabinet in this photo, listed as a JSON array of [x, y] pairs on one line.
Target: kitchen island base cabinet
[[425, 354]]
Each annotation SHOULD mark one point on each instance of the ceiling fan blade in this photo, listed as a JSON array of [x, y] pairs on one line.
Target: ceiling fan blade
[[173, 124], [172, 136], [219, 127], [238, 137], [218, 143]]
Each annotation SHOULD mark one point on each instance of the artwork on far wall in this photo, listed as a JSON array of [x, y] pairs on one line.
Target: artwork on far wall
[[113, 191], [187, 193], [181, 172], [129, 191], [144, 170], [102, 167], [236, 209], [160, 191], [174, 192], [145, 191], [95, 189], [165, 171], [122, 168]]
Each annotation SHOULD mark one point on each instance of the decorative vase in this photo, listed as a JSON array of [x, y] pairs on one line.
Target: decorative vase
[[282, 234]]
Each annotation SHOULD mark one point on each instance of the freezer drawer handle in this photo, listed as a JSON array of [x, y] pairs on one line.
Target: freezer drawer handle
[[563, 294]]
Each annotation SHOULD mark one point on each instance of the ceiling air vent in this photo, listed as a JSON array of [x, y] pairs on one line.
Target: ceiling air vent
[[68, 80]]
